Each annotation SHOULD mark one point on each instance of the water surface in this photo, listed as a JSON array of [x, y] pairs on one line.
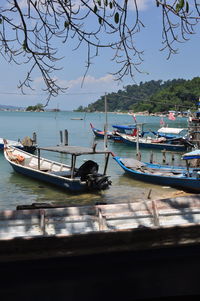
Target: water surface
[[16, 189]]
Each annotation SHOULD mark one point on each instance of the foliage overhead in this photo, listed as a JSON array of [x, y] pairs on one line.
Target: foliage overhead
[[152, 96], [30, 32]]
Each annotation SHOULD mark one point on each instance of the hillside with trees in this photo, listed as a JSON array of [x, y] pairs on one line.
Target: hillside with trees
[[152, 96]]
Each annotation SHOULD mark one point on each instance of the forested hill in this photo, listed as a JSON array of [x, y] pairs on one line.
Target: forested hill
[[152, 96]]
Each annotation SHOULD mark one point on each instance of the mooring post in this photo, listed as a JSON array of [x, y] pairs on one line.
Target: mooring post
[[151, 157], [138, 155], [34, 138], [164, 156], [65, 137], [61, 137]]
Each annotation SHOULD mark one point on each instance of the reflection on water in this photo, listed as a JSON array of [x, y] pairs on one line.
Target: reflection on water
[[16, 189]]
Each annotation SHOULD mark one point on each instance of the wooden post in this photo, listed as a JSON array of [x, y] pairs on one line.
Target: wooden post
[[149, 194], [61, 137], [151, 157], [137, 141], [164, 156], [34, 138], [106, 125], [65, 138], [38, 159]]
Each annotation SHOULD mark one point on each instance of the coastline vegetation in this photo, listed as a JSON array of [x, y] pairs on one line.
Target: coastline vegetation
[[152, 96]]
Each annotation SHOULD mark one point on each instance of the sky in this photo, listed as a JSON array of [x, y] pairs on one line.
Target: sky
[[185, 64]]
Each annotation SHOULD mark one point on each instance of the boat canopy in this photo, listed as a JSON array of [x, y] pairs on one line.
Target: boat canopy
[[192, 155], [124, 127], [73, 150], [166, 130]]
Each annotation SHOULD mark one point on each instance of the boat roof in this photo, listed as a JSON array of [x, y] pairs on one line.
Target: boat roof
[[167, 130], [192, 155], [74, 150], [125, 127]]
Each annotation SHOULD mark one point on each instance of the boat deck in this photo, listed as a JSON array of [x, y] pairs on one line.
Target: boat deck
[[108, 218]]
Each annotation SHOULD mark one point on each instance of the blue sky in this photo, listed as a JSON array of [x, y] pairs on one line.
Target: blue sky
[[98, 80]]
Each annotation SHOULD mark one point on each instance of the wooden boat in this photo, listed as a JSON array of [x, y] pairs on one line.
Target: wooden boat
[[178, 177], [84, 178], [171, 133], [176, 144], [99, 133], [114, 135], [10, 142]]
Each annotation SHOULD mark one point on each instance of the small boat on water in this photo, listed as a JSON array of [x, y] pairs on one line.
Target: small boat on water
[[180, 177], [114, 135], [161, 143], [26, 144], [99, 133], [10, 142], [82, 179]]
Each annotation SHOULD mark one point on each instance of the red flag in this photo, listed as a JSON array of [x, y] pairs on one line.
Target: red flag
[[171, 116], [134, 117], [162, 121]]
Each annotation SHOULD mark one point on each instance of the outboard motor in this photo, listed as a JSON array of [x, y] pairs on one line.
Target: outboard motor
[[89, 172], [89, 167]]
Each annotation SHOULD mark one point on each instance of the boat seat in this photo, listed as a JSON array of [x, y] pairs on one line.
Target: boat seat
[[64, 173]]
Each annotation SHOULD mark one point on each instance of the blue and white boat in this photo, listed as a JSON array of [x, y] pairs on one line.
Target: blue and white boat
[[114, 135], [82, 179], [181, 177], [10, 142], [161, 143]]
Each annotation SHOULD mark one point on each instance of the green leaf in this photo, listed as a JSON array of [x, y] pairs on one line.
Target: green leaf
[[24, 45], [95, 9], [66, 24], [111, 5], [157, 4], [100, 20], [99, 2], [181, 3], [1, 20], [187, 7], [177, 7], [116, 18], [106, 2]]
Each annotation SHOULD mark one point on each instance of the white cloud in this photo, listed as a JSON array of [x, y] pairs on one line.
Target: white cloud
[[141, 4], [89, 80]]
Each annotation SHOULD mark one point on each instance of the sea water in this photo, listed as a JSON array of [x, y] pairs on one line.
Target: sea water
[[16, 189]]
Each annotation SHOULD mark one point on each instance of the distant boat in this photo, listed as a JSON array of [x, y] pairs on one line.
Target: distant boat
[[114, 135], [176, 176], [82, 179], [161, 143], [10, 142], [171, 133], [99, 133]]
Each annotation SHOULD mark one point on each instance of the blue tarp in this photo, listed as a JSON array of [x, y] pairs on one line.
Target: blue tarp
[[124, 127], [192, 155]]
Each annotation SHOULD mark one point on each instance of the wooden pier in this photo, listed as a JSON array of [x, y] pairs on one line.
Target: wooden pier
[[132, 251]]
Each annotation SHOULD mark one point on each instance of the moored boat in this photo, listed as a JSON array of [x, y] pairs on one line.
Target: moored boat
[[10, 142], [161, 143], [114, 135], [84, 178], [180, 177]]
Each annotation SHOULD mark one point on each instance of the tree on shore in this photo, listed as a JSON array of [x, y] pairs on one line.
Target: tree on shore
[[37, 108], [30, 31]]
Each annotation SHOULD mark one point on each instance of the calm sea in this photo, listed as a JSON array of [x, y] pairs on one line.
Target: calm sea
[[16, 189]]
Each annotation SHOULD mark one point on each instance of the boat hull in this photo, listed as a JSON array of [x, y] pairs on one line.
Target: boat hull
[[160, 146], [67, 184], [181, 181]]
